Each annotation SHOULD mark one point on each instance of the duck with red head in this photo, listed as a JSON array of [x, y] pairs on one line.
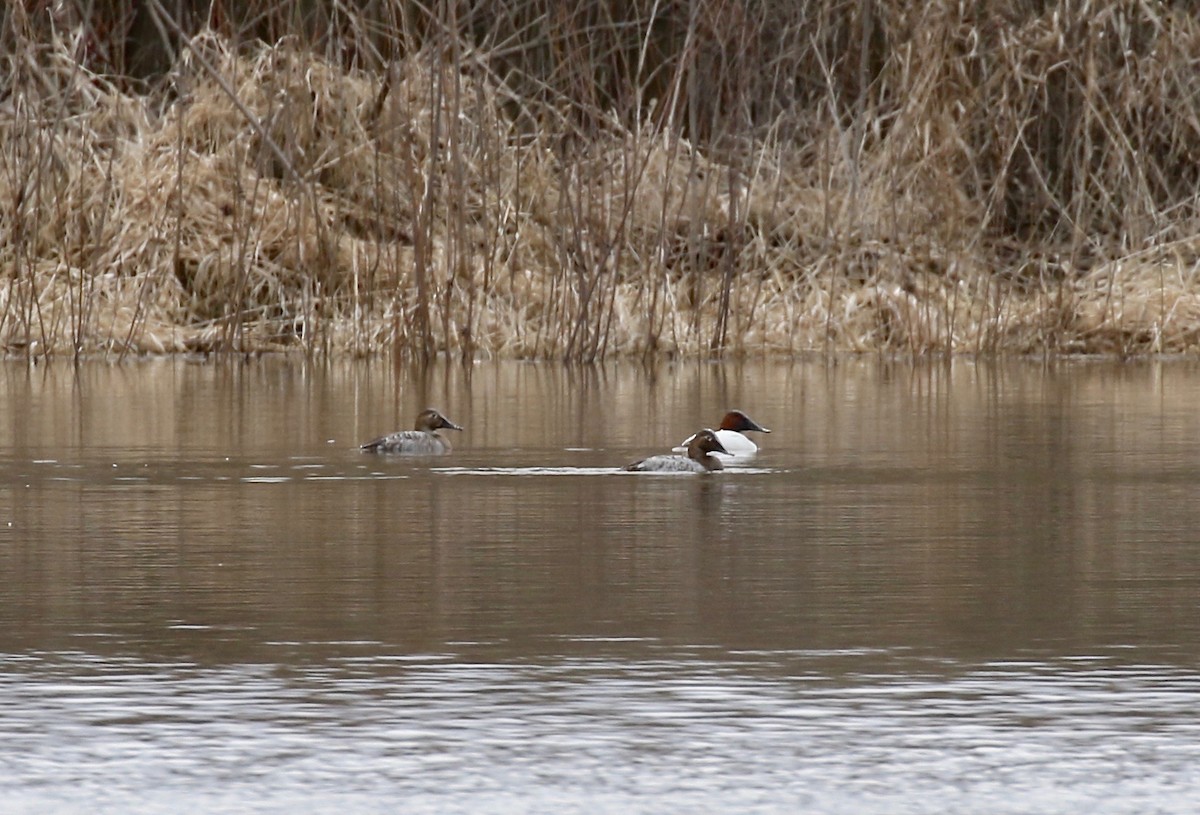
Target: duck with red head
[[424, 440], [731, 434], [701, 457]]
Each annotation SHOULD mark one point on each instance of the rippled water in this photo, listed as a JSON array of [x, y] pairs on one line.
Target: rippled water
[[937, 589], [629, 726]]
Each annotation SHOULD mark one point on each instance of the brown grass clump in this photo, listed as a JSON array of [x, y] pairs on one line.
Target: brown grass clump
[[528, 179]]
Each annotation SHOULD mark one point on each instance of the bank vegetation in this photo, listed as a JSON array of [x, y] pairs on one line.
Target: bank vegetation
[[577, 181]]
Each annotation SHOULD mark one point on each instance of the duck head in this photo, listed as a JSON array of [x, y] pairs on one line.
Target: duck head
[[431, 420], [736, 420]]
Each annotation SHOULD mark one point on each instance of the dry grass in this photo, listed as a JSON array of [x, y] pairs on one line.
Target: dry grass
[[747, 179]]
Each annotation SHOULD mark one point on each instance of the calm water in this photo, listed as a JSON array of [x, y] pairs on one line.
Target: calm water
[[966, 588]]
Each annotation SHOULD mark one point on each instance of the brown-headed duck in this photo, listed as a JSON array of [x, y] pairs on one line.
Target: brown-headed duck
[[734, 424], [424, 440], [700, 457]]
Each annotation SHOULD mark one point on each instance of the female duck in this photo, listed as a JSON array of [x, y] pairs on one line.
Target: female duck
[[700, 457], [730, 434], [425, 440]]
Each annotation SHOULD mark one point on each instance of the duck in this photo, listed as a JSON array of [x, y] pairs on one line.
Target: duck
[[701, 457], [731, 434], [423, 440]]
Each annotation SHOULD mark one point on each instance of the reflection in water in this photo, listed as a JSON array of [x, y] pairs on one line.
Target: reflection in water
[[946, 588]]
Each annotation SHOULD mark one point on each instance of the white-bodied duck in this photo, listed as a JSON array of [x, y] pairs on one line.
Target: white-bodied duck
[[701, 457], [424, 440], [732, 436]]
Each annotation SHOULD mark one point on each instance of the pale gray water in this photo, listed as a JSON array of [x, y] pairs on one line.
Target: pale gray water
[[937, 589]]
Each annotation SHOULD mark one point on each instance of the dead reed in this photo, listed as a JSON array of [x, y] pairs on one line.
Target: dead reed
[[577, 181]]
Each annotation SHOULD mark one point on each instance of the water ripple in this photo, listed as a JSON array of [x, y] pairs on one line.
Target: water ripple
[[669, 732]]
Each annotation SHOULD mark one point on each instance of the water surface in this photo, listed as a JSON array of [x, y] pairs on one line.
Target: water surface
[[961, 587]]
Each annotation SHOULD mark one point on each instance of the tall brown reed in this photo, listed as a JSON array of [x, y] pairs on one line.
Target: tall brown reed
[[575, 181]]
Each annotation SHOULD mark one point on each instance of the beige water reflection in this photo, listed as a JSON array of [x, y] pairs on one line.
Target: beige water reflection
[[964, 588], [964, 509]]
